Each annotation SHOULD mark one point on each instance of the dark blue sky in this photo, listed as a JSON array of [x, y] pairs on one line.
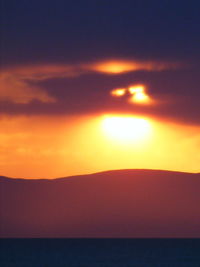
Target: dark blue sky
[[71, 32], [40, 31]]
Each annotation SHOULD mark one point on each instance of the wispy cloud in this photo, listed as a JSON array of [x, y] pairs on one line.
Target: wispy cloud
[[18, 84], [122, 66]]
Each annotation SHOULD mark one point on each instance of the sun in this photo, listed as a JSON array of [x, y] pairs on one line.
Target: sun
[[126, 129]]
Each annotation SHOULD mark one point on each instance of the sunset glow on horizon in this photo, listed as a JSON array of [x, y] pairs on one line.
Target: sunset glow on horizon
[[67, 145]]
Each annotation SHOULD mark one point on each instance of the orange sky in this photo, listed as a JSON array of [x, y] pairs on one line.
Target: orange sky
[[66, 85], [56, 146]]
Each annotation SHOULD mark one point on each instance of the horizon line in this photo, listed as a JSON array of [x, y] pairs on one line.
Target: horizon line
[[98, 172]]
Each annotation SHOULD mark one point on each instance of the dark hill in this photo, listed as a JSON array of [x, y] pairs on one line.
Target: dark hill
[[122, 203]]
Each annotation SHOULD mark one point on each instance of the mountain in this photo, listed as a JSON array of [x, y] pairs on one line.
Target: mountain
[[120, 203]]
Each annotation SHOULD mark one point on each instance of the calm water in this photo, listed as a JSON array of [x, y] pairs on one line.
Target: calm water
[[100, 252]]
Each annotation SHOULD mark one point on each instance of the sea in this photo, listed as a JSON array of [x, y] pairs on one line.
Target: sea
[[99, 252]]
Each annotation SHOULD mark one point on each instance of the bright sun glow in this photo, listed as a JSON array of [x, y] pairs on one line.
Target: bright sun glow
[[126, 128]]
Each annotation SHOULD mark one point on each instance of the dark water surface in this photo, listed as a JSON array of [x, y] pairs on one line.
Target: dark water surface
[[99, 252]]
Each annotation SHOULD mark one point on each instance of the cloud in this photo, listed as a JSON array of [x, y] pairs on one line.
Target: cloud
[[17, 90], [18, 84], [122, 66], [80, 89]]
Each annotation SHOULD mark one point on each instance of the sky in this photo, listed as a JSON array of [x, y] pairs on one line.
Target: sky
[[62, 63]]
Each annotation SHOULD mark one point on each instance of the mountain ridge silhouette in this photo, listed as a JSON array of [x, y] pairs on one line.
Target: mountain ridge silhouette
[[100, 172], [120, 203]]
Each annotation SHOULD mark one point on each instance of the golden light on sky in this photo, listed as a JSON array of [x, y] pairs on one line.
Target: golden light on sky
[[118, 92], [119, 66], [135, 89], [139, 94], [115, 67], [126, 129]]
